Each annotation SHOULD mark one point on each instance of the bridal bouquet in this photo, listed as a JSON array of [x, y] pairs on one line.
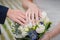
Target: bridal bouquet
[[32, 32]]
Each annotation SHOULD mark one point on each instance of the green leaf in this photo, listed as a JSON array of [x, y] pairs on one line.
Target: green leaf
[[48, 25], [40, 35], [34, 27]]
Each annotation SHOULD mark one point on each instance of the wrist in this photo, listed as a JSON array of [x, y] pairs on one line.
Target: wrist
[[30, 0], [48, 35], [26, 4], [9, 12]]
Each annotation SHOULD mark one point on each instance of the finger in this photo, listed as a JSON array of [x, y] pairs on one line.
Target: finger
[[22, 16], [36, 16], [33, 20], [39, 13], [21, 19], [19, 22], [22, 12], [27, 16]]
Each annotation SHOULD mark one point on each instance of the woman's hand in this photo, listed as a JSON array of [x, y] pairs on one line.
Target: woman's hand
[[33, 13], [17, 16]]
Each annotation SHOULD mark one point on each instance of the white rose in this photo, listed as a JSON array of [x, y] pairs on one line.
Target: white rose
[[12, 24], [30, 25], [21, 28], [44, 14], [26, 29], [40, 29], [46, 19], [18, 36], [24, 34]]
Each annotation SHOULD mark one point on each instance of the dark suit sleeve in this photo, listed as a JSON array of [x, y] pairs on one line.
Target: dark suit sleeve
[[3, 13]]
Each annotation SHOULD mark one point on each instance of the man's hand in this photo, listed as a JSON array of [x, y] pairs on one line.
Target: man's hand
[[17, 16]]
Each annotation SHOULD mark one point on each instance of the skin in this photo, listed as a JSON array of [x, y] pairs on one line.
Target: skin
[[21, 17], [17, 16], [52, 33], [32, 11]]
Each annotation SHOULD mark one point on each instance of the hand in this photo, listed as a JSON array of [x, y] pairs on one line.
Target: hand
[[17, 16], [33, 13]]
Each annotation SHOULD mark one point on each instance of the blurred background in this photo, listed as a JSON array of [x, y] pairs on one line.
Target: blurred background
[[52, 7]]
